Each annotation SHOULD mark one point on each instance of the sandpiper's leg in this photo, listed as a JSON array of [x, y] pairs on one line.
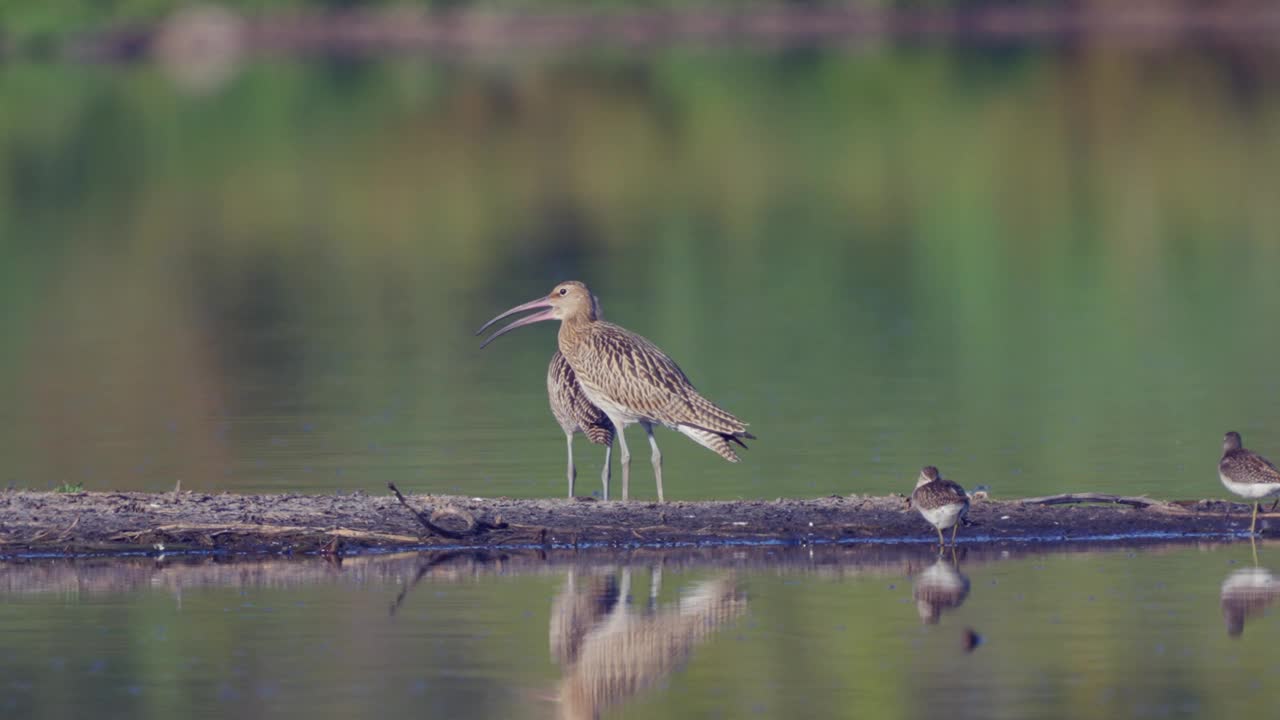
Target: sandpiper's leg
[[656, 459], [573, 472], [1274, 504], [604, 474], [954, 528], [941, 540], [1254, 523], [625, 460]]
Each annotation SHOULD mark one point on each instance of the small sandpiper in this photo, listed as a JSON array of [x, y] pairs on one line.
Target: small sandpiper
[[942, 502], [1247, 474]]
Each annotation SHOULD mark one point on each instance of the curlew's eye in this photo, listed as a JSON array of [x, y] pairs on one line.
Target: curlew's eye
[[564, 291]]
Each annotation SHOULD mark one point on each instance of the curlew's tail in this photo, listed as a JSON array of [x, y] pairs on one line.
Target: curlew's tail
[[714, 441]]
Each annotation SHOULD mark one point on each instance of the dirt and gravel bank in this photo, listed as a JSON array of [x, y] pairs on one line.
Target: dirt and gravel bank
[[112, 522]]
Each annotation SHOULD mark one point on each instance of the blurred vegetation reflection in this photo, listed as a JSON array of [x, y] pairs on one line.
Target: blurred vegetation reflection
[[1050, 268]]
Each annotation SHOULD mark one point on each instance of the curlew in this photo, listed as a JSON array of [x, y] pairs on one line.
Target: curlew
[[576, 414], [628, 378], [942, 502], [1247, 474]]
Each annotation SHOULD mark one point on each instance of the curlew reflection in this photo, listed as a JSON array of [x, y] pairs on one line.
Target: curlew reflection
[[1246, 593], [940, 587], [610, 652]]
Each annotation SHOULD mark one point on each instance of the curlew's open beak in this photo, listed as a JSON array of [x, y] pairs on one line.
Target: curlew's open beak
[[540, 303]]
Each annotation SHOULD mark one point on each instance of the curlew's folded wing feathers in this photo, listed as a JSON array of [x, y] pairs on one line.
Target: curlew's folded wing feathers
[[636, 374], [570, 405]]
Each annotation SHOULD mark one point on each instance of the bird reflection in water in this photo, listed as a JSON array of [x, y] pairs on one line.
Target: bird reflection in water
[[610, 652], [1246, 593], [940, 587]]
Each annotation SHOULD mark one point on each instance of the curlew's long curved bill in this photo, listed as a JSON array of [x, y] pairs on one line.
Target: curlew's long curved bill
[[539, 304]]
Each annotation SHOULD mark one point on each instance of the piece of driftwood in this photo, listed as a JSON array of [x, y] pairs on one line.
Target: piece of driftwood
[[1089, 497]]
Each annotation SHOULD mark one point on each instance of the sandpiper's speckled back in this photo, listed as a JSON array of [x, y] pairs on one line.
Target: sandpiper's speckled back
[[572, 409], [1245, 466], [937, 493]]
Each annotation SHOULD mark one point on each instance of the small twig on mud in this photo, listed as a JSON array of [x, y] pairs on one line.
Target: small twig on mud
[[65, 533], [1069, 498]]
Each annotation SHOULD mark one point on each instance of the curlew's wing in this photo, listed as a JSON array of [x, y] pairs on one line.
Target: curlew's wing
[[636, 375], [570, 405]]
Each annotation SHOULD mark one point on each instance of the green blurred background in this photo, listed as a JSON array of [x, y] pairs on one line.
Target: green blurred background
[[1040, 265]]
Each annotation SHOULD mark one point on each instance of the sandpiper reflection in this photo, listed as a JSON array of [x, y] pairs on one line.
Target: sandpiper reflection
[[1246, 593], [940, 587], [610, 652]]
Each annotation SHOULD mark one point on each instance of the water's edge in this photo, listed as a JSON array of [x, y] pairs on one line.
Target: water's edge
[[37, 524]]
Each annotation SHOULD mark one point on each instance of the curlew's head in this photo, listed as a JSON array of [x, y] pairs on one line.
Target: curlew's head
[[928, 474], [570, 300], [1231, 441]]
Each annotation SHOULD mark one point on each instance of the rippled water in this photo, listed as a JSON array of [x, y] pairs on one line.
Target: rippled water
[[1077, 631]]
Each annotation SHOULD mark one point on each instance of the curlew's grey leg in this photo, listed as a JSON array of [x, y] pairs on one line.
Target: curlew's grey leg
[[624, 588], [573, 471], [656, 459], [625, 460], [604, 474], [655, 585]]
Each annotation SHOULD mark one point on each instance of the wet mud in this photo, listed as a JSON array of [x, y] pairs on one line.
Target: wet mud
[[35, 523]]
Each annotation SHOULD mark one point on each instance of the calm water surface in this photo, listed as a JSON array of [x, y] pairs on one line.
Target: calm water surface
[[1042, 269], [1155, 632]]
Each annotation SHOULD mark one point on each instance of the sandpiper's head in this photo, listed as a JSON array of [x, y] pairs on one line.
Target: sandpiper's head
[[1231, 441], [928, 474], [569, 300]]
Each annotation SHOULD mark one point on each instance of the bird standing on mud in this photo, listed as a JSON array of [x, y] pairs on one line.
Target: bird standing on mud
[[628, 378], [575, 413], [1247, 474], [942, 502]]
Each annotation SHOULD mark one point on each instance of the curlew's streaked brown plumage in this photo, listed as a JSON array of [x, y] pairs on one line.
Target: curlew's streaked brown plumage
[[1247, 474], [629, 378], [942, 502], [576, 414]]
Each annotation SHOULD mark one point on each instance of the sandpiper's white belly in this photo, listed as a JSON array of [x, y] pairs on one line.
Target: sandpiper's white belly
[[1250, 491], [945, 516]]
